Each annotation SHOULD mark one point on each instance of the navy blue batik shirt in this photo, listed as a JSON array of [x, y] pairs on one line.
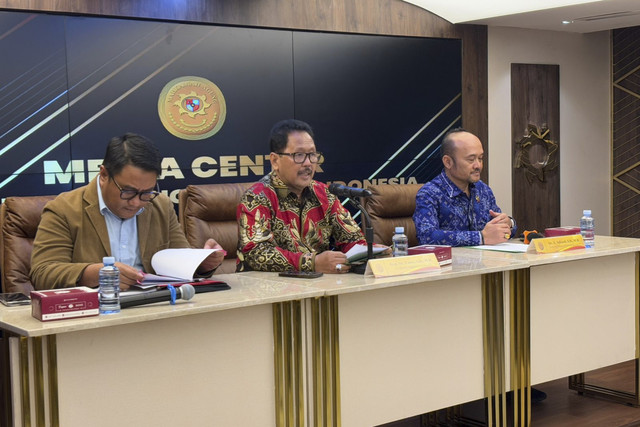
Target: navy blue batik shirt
[[445, 215]]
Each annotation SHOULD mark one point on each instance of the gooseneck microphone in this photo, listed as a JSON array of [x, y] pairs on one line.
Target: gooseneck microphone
[[352, 195], [185, 292], [344, 191], [528, 236]]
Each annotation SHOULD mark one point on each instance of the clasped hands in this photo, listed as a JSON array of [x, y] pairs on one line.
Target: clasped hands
[[498, 229]]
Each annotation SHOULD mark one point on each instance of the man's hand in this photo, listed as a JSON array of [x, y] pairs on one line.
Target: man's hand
[[497, 230], [498, 217], [212, 261], [128, 275], [331, 262], [386, 253]]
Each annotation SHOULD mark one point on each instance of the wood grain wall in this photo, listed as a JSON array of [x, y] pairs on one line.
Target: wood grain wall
[[535, 100], [385, 17], [626, 131]]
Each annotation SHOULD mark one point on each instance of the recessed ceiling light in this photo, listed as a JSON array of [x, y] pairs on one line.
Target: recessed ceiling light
[[567, 22]]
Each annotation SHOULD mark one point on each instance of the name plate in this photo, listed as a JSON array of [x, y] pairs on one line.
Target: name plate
[[550, 245], [397, 266]]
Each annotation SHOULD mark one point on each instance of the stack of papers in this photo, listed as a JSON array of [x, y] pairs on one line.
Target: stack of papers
[[504, 247], [175, 266], [359, 252]]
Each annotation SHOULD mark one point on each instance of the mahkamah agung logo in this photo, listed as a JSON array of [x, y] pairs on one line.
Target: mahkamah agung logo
[[192, 108]]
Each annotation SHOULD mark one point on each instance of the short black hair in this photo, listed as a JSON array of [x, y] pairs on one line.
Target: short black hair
[[446, 147], [132, 149], [281, 130]]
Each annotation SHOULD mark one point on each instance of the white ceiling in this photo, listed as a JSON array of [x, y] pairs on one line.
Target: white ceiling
[[585, 16]]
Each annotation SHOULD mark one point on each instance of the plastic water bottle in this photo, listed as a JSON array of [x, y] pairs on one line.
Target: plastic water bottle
[[587, 228], [109, 286], [400, 243]]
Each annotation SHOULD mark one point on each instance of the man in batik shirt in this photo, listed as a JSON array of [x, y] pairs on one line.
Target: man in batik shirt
[[456, 208], [288, 221]]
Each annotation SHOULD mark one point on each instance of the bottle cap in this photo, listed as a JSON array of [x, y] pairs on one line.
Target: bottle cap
[[399, 230], [586, 212], [108, 260]]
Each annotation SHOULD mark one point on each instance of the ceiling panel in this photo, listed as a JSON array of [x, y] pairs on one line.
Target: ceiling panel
[[556, 15]]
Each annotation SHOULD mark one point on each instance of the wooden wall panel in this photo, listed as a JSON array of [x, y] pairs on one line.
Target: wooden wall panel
[[386, 17], [535, 99], [626, 132], [361, 16], [475, 117]]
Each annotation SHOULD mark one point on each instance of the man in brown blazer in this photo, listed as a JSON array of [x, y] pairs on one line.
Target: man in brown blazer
[[120, 213]]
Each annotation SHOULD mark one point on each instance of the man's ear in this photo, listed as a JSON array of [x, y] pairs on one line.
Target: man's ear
[[274, 159], [103, 174], [447, 161]]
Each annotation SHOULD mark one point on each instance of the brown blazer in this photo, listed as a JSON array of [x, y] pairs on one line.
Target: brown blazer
[[73, 234]]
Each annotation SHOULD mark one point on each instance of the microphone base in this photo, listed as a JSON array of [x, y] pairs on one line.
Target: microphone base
[[358, 268]]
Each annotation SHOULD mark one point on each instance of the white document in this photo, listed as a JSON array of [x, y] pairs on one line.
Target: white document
[[358, 252], [177, 264], [503, 247]]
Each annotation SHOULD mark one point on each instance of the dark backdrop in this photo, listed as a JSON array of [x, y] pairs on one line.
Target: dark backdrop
[[377, 103]]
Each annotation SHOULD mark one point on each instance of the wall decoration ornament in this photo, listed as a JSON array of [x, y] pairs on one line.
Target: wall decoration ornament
[[192, 108], [536, 153]]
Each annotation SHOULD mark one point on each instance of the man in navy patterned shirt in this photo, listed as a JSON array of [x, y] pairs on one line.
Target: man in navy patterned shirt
[[456, 208]]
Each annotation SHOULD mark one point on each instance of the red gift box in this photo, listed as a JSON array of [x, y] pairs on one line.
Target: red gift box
[[64, 303]]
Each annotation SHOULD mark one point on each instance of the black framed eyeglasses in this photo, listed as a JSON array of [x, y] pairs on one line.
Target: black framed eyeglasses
[[314, 157], [145, 196]]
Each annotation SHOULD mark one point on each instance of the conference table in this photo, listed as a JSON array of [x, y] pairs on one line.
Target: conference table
[[343, 349]]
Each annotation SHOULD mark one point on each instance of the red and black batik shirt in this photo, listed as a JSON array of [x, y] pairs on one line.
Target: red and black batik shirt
[[277, 231]]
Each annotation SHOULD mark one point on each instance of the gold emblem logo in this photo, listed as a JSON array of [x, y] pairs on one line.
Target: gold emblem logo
[[192, 108]]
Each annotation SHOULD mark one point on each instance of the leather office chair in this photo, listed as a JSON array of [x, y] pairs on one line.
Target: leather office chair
[[209, 211], [19, 220], [389, 207]]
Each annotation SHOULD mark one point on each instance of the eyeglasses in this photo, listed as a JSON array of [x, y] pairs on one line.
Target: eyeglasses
[[145, 196], [314, 157]]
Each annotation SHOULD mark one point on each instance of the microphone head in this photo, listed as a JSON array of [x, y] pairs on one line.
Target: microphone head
[[530, 235], [351, 192], [333, 187], [187, 291]]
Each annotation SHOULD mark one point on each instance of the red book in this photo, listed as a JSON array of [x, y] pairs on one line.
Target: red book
[[561, 231], [442, 252]]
